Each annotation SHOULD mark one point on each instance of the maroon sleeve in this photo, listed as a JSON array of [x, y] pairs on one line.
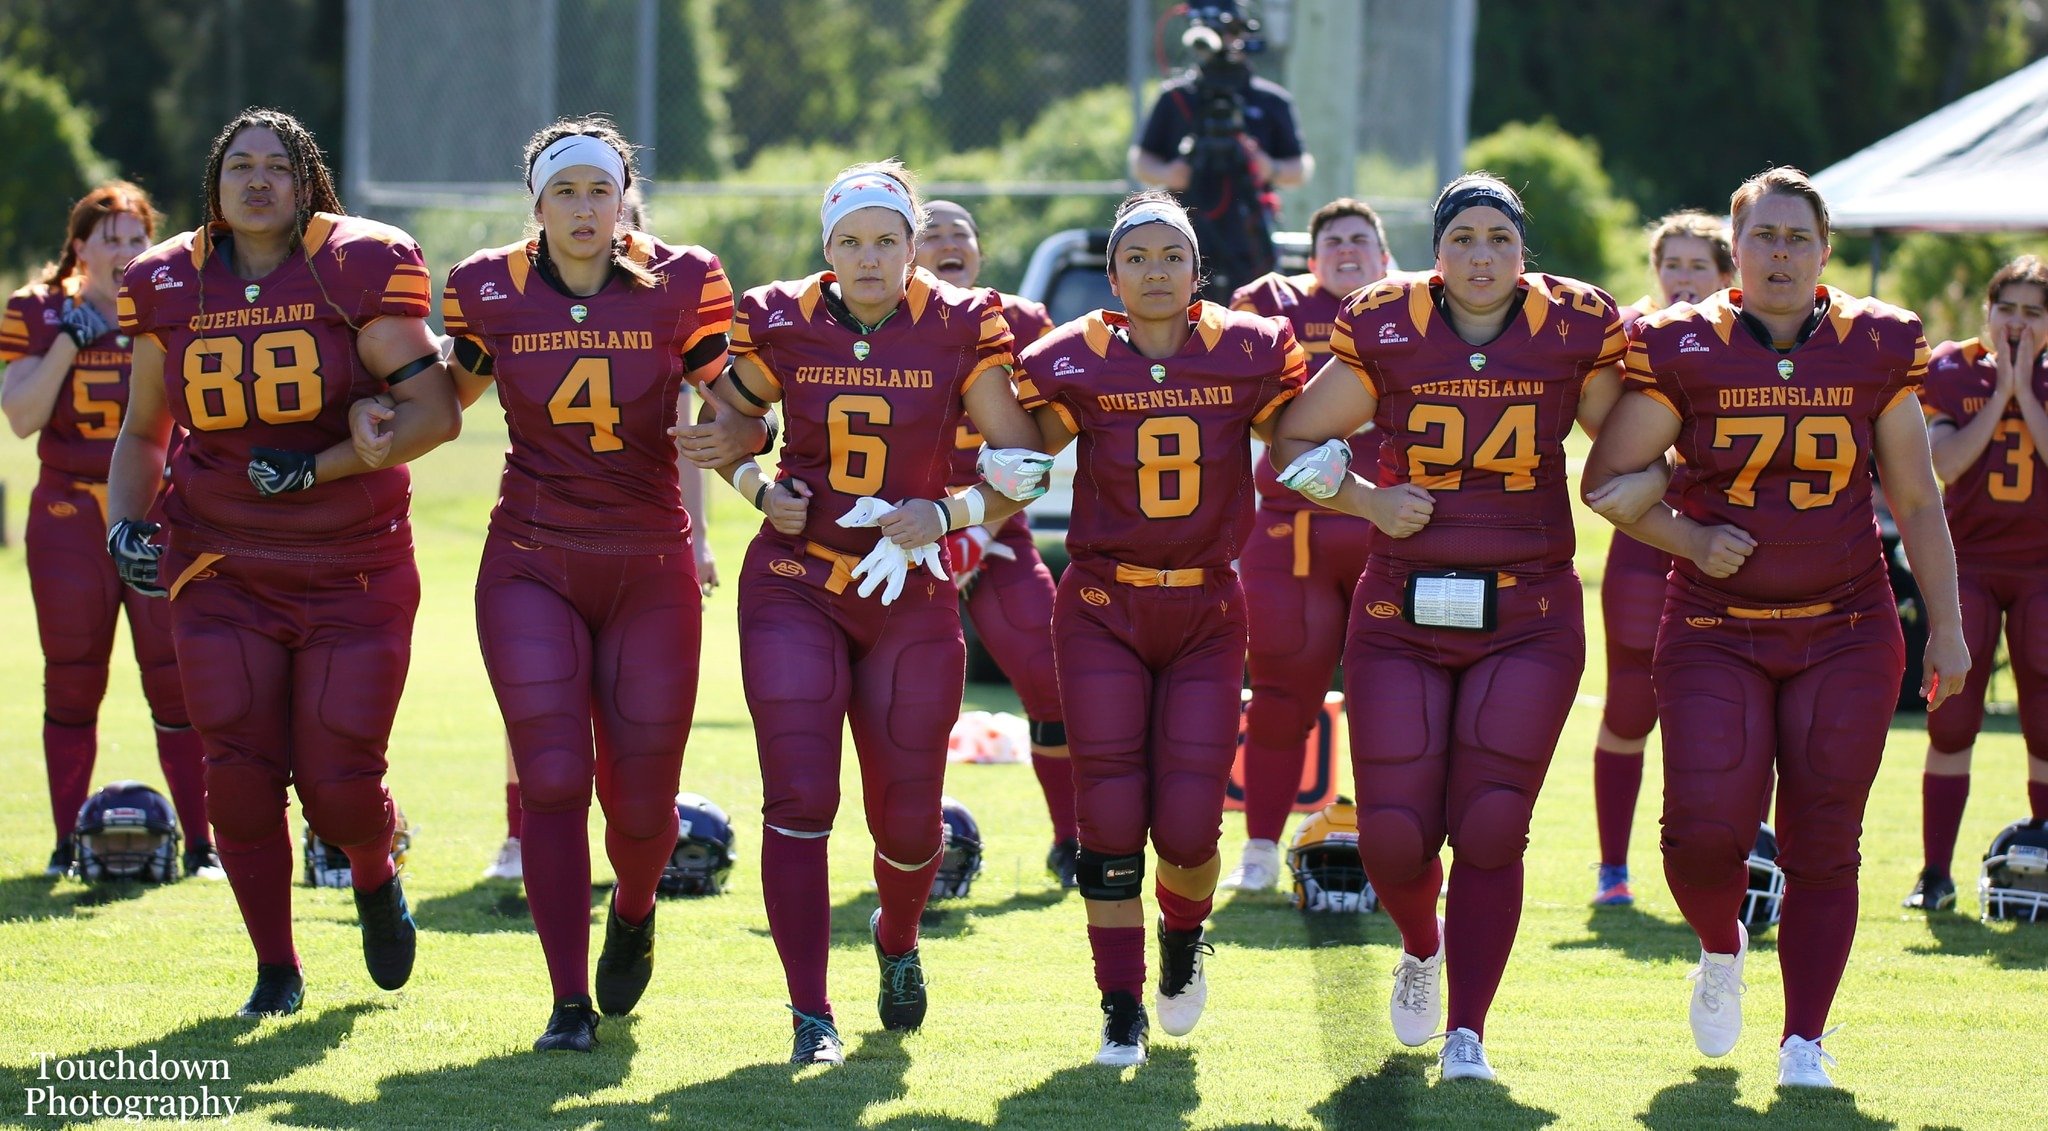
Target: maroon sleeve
[[29, 324]]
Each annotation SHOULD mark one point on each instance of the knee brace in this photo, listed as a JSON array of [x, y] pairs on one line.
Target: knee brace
[[1110, 878], [1052, 733]]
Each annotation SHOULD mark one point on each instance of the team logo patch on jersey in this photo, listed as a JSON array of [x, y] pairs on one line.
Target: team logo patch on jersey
[[50, 316], [778, 318], [861, 350], [62, 510], [1477, 361], [1391, 335], [1384, 610], [250, 292], [1094, 596], [1158, 373], [579, 312], [123, 341], [1691, 344], [786, 567], [1279, 530], [161, 279], [489, 292], [1784, 369], [1703, 622], [1065, 367]]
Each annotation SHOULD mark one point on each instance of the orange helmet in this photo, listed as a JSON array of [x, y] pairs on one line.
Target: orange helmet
[[1328, 874]]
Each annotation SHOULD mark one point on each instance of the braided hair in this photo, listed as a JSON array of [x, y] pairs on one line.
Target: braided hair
[[312, 183]]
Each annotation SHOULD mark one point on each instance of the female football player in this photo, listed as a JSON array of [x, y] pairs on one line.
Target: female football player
[[874, 361], [290, 568], [67, 378], [1008, 589], [1466, 639], [1987, 428], [1302, 561], [1690, 256], [1780, 649], [1149, 627], [588, 604]]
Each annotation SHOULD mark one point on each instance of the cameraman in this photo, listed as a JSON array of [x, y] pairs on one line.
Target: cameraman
[[1222, 139]]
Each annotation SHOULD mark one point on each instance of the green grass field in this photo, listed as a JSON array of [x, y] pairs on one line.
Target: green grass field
[[1940, 1017]]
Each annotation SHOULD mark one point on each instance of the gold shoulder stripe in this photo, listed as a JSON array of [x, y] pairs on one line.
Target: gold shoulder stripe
[[1418, 306], [1535, 303], [1095, 331], [918, 294], [1842, 312], [518, 266], [808, 299], [1209, 323], [318, 229]]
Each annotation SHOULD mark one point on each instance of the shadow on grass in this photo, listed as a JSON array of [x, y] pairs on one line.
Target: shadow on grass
[[770, 1095], [1641, 937], [1266, 921], [521, 1089], [28, 898], [2021, 946], [1708, 1101], [278, 1049], [488, 907], [1397, 1094], [942, 919]]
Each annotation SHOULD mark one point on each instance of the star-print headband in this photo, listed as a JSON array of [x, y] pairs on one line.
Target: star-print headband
[[855, 191]]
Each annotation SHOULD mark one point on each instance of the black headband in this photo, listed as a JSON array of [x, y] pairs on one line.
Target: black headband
[[1478, 194]]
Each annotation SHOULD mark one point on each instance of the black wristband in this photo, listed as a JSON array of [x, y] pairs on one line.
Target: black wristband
[[760, 493], [413, 368], [704, 352], [767, 445]]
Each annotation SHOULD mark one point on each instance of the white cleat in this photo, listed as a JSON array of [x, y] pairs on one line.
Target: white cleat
[[1257, 870], [1183, 988], [1417, 1003], [507, 866], [1800, 1063], [1123, 1031], [1717, 998], [1463, 1057]]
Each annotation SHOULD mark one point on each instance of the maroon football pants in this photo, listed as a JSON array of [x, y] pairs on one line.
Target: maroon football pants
[[2020, 599], [1631, 607], [1149, 680], [78, 598], [1299, 571], [1807, 693], [1452, 732], [1011, 607], [594, 659]]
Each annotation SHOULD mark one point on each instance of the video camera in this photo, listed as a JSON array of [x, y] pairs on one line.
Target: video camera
[[1224, 200]]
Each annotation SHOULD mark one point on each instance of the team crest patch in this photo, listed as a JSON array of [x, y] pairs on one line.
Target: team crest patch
[[62, 510], [1384, 610], [579, 312], [861, 350], [1279, 530], [1703, 622], [123, 340], [1391, 334], [1477, 361], [1094, 596], [1065, 367], [786, 567], [251, 291], [1784, 369], [1158, 374]]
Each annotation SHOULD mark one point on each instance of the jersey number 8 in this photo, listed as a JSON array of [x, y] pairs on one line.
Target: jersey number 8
[[287, 388]]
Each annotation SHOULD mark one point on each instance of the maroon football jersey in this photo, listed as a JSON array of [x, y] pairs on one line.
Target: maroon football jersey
[[875, 413], [1481, 428], [1779, 445], [272, 362], [1028, 322], [1312, 312], [78, 439], [1998, 508], [1164, 478], [589, 388]]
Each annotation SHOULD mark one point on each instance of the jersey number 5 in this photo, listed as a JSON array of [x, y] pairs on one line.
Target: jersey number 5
[[287, 388], [86, 405]]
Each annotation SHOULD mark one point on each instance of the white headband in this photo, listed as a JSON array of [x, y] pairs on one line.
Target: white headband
[[1154, 213], [577, 149], [864, 190]]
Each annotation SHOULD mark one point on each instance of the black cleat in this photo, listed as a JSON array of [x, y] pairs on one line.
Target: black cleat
[[1124, 1030], [902, 1000], [279, 990], [626, 964], [817, 1040], [389, 937], [60, 861], [202, 861], [1064, 862], [1933, 891], [572, 1027]]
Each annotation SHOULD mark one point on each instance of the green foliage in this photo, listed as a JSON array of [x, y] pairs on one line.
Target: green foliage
[[1006, 60], [1577, 226], [1942, 278], [47, 141]]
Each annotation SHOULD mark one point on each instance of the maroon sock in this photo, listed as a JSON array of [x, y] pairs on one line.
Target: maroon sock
[[179, 753], [1814, 937], [514, 815], [68, 754], [1056, 779], [1713, 912], [369, 863], [260, 874], [794, 884], [1271, 779], [2037, 799], [1412, 907], [557, 869], [1481, 913], [637, 862], [903, 899], [1119, 958], [1942, 798], [1178, 911], [1617, 780]]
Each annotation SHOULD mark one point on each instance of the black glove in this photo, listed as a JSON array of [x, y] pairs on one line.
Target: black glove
[[83, 323], [128, 543], [274, 471]]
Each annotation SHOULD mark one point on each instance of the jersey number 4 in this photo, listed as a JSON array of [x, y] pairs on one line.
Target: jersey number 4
[[1509, 448], [286, 365], [585, 397]]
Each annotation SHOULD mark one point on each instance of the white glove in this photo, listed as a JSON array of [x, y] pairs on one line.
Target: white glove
[[886, 566], [1017, 474], [867, 510], [1320, 471], [932, 556]]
